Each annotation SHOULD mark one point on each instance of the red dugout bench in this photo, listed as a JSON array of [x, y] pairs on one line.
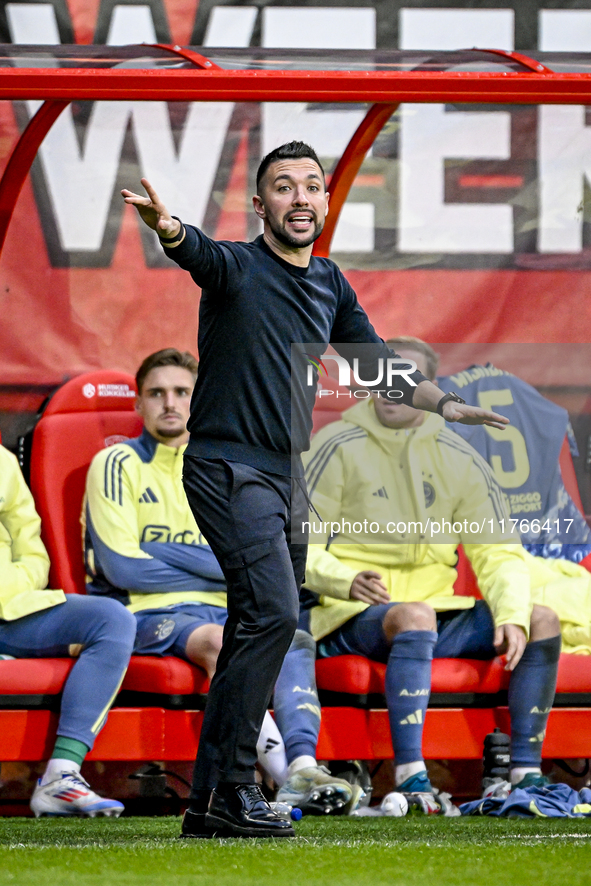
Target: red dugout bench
[[157, 715]]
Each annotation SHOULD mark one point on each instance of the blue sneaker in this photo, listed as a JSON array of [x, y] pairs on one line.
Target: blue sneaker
[[417, 784], [532, 780]]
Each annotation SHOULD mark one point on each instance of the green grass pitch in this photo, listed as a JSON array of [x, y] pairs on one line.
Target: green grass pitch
[[343, 852]]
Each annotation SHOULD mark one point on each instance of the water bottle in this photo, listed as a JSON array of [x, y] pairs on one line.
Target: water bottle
[[495, 759], [287, 812]]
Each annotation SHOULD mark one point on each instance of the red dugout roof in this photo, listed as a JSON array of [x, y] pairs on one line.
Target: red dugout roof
[[186, 74], [536, 305], [61, 74], [296, 86]]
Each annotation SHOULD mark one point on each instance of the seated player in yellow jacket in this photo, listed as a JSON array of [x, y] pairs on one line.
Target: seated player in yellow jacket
[[142, 545], [565, 587], [40, 623], [397, 492]]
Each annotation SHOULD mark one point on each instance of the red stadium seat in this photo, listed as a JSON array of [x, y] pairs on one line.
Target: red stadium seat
[[160, 718], [89, 412], [170, 682], [34, 679], [465, 584], [165, 681], [350, 674], [356, 676], [363, 681], [574, 675]]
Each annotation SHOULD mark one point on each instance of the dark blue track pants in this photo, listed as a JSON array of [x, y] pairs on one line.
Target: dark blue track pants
[[106, 631]]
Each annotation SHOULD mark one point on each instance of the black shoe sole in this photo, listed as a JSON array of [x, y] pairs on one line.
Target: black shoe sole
[[232, 829], [206, 834], [194, 827]]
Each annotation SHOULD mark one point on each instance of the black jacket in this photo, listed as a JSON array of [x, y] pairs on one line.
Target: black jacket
[[254, 307]]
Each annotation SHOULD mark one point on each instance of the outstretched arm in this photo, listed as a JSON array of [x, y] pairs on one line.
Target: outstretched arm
[[205, 259], [154, 213], [427, 396], [353, 336]]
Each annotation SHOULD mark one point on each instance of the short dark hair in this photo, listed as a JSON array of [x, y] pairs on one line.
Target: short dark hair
[[409, 342], [289, 151], [165, 357]]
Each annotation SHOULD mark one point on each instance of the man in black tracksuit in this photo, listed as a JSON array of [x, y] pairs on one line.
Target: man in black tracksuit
[[242, 472]]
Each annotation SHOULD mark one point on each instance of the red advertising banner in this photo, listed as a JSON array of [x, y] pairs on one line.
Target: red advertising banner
[[465, 223]]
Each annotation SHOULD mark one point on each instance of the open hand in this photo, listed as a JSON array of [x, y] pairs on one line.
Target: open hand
[[473, 415], [153, 212], [369, 588], [510, 641]]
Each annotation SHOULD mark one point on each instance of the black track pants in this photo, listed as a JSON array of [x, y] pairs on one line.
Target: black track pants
[[246, 516]]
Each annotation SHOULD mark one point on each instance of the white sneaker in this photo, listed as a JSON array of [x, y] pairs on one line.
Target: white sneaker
[[316, 792], [495, 787], [71, 795], [421, 796]]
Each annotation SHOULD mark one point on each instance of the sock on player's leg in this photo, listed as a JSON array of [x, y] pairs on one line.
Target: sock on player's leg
[[271, 750], [68, 756], [408, 686], [296, 705], [407, 770], [70, 749], [531, 693], [56, 767], [305, 761], [519, 773]]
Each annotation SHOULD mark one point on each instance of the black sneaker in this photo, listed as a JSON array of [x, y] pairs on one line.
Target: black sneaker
[[240, 810]]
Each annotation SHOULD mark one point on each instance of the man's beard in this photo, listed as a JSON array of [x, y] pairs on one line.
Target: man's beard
[[285, 238], [171, 433]]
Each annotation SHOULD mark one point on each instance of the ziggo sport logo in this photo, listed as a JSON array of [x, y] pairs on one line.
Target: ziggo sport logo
[[387, 370]]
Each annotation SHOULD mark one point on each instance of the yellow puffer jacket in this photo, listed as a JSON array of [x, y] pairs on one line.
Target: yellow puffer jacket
[[566, 588], [24, 564], [405, 483]]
